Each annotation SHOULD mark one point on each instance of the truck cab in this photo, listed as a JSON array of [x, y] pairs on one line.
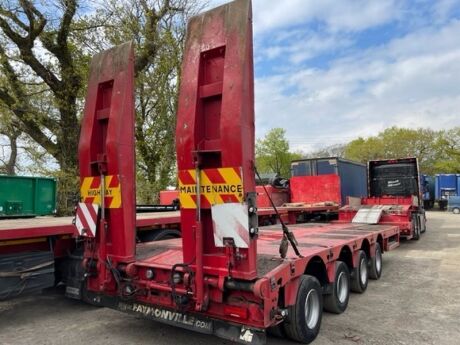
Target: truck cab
[[394, 197]]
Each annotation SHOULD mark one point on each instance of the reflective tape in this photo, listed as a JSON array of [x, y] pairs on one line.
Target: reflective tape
[[90, 191], [217, 186]]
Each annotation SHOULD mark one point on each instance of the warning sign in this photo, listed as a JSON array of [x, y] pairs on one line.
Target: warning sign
[[217, 186], [90, 191]]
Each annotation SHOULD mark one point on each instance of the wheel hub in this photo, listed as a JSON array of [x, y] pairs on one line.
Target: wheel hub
[[312, 310], [363, 271], [342, 287]]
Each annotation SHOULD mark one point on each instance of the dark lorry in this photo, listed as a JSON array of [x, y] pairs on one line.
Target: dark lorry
[[394, 195]]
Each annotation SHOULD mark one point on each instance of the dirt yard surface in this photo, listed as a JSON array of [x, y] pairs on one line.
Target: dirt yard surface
[[417, 301]]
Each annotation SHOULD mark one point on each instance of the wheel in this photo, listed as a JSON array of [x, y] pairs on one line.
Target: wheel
[[304, 317], [375, 263], [456, 210], [415, 229], [158, 235], [422, 221], [360, 276], [337, 301]]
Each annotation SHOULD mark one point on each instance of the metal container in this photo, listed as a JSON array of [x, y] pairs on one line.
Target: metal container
[[24, 196], [446, 185], [352, 180], [394, 177]]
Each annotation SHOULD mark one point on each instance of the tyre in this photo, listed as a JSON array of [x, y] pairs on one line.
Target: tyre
[[360, 276], [422, 223], [375, 263], [456, 210], [158, 235], [304, 317], [415, 228], [337, 301]]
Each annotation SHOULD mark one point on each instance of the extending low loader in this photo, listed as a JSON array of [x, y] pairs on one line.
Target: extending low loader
[[31, 249], [225, 276]]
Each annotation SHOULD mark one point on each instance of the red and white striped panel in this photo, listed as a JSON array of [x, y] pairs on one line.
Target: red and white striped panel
[[86, 219]]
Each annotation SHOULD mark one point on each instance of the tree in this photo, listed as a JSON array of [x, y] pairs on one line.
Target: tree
[[8, 146], [448, 151], [51, 72], [396, 142], [45, 51], [273, 155], [158, 70]]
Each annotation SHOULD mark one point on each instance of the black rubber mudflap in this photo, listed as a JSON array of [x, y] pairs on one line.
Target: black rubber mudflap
[[25, 273]]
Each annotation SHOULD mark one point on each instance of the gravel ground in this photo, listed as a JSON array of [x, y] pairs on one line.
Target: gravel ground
[[417, 301]]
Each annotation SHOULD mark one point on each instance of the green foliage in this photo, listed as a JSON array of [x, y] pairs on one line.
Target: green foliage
[[157, 73], [437, 151], [448, 151], [273, 155]]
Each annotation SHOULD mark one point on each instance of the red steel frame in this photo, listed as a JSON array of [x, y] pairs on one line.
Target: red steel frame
[[401, 215]]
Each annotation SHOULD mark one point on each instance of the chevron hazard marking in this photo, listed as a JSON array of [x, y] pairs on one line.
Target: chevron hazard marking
[[217, 186], [90, 191], [86, 219]]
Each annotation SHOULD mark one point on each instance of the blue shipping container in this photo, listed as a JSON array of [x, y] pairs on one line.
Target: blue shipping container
[[447, 185], [353, 175]]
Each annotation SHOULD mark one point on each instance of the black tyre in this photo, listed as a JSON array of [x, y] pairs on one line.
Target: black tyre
[[415, 228], [375, 263], [360, 276], [422, 221], [158, 235], [337, 301], [304, 317]]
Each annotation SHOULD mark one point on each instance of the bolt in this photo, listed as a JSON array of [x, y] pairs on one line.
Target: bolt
[[149, 274]]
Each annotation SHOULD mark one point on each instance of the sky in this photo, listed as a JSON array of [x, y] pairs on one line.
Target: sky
[[330, 71]]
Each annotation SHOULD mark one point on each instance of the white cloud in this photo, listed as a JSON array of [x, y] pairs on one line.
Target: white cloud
[[409, 78], [412, 81], [300, 46], [337, 15], [352, 15]]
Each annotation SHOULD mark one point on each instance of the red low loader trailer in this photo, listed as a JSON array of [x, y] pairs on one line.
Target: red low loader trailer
[[32, 249], [395, 198], [225, 276]]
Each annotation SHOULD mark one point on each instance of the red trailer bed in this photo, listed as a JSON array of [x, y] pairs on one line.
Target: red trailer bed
[[314, 240], [12, 229], [330, 244]]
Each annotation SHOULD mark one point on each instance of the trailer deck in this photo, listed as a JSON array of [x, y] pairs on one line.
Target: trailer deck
[[11, 229], [313, 239]]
